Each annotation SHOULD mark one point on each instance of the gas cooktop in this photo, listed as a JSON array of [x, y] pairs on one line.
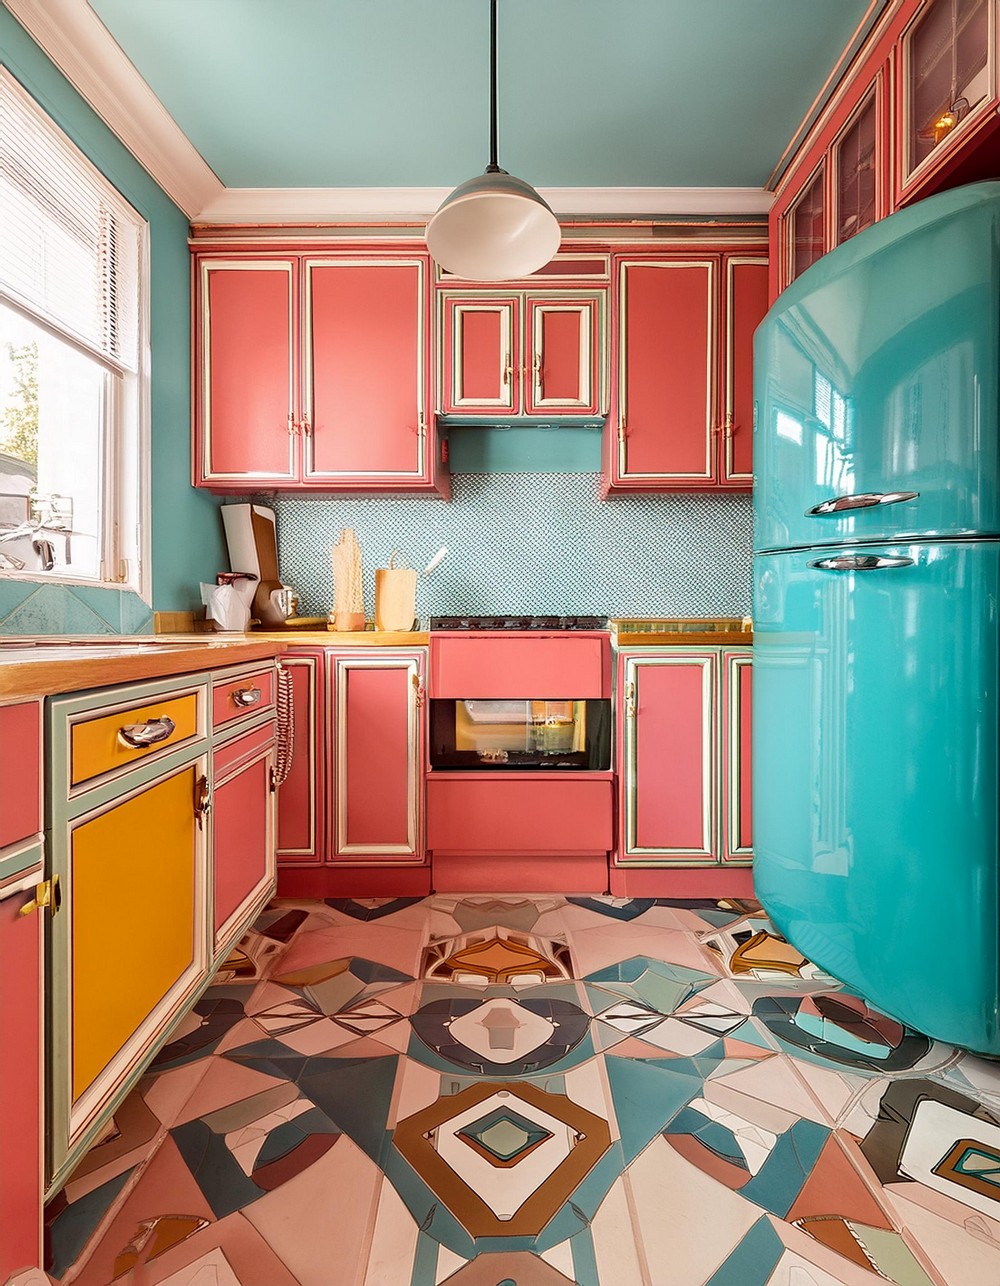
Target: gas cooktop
[[519, 623]]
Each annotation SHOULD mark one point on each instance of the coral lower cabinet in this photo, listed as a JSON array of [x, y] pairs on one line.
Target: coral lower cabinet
[[682, 408], [161, 837], [683, 761], [25, 900], [352, 805], [313, 372]]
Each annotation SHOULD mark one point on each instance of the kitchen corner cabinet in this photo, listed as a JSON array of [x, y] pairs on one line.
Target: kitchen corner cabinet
[[682, 408], [22, 893], [522, 353], [683, 757], [377, 742], [313, 372]]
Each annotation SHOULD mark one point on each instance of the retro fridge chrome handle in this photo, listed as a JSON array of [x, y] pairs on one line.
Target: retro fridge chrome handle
[[861, 562], [863, 500]]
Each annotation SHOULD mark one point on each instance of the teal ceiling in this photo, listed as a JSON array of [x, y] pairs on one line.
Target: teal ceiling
[[394, 93]]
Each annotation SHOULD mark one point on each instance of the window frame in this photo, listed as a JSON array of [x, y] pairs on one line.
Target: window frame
[[126, 482]]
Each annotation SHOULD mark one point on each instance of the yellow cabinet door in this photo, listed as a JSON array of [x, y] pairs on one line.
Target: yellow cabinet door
[[136, 880]]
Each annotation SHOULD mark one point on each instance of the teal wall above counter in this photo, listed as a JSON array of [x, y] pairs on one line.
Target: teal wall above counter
[[186, 532]]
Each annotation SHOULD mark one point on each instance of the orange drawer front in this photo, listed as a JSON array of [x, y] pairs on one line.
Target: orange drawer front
[[236, 697], [98, 745]]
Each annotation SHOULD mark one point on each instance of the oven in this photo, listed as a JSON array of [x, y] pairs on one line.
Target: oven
[[520, 786], [494, 735]]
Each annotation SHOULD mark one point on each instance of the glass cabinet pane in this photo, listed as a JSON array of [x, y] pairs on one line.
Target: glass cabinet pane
[[808, 225], [855, 175], [948, 72]]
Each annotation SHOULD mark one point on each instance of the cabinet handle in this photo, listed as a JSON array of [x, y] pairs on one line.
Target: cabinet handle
[[421, 426], [305, 428], [246, 696], [418, 690], [202, 801], [536, 367], [861, 500], [630, 701], [729, 427], [47, 894], [507, 370], [293, 428], [141, 735]]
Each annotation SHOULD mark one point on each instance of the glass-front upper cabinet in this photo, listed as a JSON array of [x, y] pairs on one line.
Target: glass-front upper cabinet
[[807, 225], [948, 75], [855, 176]]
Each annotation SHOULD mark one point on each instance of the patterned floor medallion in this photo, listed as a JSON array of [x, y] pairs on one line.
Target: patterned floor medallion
[[538, 1091]]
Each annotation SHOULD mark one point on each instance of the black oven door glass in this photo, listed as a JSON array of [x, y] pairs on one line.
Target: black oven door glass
[[500, 734]]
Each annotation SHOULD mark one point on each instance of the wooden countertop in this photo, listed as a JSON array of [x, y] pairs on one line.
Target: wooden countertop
[[345, 638], [44, 667]]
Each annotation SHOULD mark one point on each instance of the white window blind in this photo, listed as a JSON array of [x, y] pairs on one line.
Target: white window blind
[[70, 244]]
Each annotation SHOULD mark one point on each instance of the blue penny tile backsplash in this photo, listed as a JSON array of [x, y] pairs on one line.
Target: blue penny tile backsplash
[[531, 543]]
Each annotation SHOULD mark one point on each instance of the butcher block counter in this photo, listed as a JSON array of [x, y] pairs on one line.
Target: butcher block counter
[[43, 666]]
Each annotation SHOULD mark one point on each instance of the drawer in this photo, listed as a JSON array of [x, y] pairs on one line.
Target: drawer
[[20, 772], [240, 750], [519, 814], [98, 745], [233, 698], [548, 668]]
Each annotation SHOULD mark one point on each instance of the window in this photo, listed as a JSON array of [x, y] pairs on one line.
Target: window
[[74, 359]]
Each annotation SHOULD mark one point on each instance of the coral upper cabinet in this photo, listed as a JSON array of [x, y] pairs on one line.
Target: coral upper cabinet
[[682, 410], [514, 354], [313, 372]]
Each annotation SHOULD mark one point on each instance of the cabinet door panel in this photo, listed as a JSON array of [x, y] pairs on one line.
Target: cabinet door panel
[[737, 713], [378, 758], [746, 304], [481, 357], [20, 1078], [364, 370], [670, 792], [666, 370], [301, 795], [247, 377], [134, 872], [564, 360], [20, 772], [243, 838]]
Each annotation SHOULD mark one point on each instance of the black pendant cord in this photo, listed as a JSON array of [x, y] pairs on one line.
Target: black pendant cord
[[493, 167]]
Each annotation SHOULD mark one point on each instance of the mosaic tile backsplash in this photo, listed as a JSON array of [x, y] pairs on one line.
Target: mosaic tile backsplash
[[532, 543]]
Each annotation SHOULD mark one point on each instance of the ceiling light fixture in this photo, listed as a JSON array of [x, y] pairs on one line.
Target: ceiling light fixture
[[493, 227]]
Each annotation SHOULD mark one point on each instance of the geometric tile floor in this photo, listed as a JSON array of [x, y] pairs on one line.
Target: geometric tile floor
[[534, 1091]]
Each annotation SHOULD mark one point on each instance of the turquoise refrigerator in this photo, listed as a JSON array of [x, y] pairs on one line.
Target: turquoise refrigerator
[[877, 615]]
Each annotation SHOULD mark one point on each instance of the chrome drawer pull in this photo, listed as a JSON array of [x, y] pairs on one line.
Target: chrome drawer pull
[[860, 562], [246, 696], [141, 735], [863, 500]]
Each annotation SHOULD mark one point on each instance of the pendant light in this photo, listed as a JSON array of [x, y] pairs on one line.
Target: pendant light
[[493, 227]]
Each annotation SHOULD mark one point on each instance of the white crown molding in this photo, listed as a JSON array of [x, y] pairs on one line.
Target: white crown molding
[[83, 49], [366, 205]]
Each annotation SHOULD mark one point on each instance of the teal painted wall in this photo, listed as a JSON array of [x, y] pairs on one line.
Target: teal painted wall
[[187, 533]]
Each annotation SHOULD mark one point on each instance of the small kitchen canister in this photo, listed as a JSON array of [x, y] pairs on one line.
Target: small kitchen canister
[[395, 596]]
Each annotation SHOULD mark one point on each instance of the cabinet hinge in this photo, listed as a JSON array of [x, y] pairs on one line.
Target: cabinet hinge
[[47, 894]]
